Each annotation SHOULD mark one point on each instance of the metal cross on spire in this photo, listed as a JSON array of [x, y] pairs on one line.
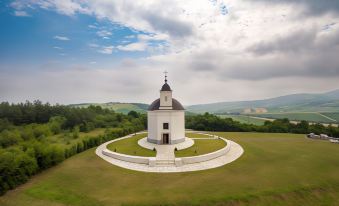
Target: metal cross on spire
[[165, 72]]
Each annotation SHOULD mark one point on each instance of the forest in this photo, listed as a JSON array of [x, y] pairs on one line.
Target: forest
[[211, 122], [36, 136]]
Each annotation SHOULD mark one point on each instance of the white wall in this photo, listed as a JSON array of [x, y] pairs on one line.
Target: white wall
[[166, 103], [176, 120], [127, 158], [206, 157]]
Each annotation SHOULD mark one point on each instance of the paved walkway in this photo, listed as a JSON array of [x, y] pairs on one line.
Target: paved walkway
[[180, 146], [166, 156]]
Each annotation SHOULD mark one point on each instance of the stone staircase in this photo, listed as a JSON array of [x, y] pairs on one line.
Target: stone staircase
[[164, 163]]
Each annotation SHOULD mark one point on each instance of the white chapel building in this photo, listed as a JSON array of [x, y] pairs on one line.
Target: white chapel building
[[166, 119]]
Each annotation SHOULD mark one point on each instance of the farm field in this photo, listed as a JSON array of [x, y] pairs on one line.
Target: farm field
[[244, 119], [332, 115], [276, 169], [308, 116]]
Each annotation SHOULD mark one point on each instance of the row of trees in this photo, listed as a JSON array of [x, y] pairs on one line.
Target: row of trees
[[36, 136], [210, 122]]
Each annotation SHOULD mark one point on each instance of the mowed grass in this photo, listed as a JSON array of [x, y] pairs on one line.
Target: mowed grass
[[276, 169], [245, 119], [130, 146], [201, 146]]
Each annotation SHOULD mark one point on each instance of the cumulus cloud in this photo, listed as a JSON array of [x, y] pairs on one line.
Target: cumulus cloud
[[61, 38], [312, 7], [137, 46], [21, 13], [106, 49], [104, 33]]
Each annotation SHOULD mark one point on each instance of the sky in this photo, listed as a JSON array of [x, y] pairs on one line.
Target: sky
[[80, 51]]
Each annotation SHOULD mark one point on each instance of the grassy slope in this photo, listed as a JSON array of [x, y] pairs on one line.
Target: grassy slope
[[130, 147], [201, 146], [244, 119], [311, 117], [118, 107], [276, 169], [332, 115]]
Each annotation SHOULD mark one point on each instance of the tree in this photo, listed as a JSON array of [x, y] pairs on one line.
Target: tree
[[133, 114]]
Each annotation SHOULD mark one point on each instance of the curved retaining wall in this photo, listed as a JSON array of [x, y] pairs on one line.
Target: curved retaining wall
[[127, 158], [124, 157], [178, 161], [206, 157]]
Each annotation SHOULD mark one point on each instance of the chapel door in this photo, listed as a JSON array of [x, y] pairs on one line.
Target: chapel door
[[165, 138]]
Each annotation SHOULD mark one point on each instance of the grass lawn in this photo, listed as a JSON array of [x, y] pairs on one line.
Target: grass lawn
[[245, 119], [276, 169], [201, 146], [130, 146]]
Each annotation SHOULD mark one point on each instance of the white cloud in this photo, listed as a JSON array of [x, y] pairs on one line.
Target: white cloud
[[106, 49], [104, 33], [92, 26], [21, 13], [56, 47], [61, 38], [137, 46]]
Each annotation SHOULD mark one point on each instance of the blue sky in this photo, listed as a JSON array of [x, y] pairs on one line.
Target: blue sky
[[72, 51], [44, 36]]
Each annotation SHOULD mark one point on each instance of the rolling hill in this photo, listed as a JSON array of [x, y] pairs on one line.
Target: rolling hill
[[118, 106], [324, 102], [323, 107]]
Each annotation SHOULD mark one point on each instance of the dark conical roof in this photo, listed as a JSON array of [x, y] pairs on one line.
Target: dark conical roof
[[176, 105], [165, 87]]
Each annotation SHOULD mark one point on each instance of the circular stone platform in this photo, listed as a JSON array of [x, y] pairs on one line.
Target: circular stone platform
[[165, 156]]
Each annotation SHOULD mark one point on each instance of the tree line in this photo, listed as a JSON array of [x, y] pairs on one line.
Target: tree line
[[211, 122], [35, 136]]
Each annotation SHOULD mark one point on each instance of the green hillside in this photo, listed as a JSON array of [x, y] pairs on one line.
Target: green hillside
[[117, 106], [244, 119], [308, 116], [276, 169], [325, 102]]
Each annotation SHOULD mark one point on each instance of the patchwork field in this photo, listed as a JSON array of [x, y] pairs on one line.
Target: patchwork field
[[245, 119], [308, 116], [334, 116], [276, 169]]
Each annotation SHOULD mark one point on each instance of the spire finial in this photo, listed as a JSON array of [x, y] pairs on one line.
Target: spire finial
[[165, 72]]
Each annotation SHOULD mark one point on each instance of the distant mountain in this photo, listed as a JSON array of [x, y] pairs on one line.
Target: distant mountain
[[324, 102]]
